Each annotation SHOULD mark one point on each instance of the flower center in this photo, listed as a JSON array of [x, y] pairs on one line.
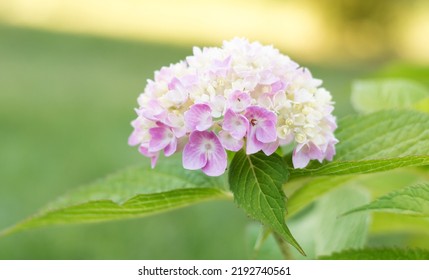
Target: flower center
[[208, 146], [253, 122]]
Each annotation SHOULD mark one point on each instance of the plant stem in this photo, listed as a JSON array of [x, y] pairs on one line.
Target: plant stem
[[262, 237], [284, 247]]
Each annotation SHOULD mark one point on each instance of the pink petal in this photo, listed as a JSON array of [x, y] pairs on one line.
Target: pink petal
[[205, 151], [314, 152], [331, 122], [270, 148], [153, 161], [189, 80], [253, 145], [174, 83], [193, 156], [278, 86], [300, 159], [141, 126], [222, 63], [239, 101], [177, 125], [263, 123], [217, 160], [134, 138], [303, 153], [330, 150], [266, 131], [179, 131], [221, 67], [153, 156], [235, 124], [267, 77], [160, 138], [198, 117], [171, 147], [229, 142], [153, 111], [260, 114]]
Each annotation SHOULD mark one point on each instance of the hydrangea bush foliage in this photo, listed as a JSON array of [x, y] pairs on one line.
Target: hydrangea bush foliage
[[245, 122]]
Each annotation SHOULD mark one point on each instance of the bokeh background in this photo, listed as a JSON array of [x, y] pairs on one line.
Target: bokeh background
[[70, 73]]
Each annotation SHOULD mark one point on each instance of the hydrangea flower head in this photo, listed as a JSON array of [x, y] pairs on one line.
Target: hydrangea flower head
[[240, 96]]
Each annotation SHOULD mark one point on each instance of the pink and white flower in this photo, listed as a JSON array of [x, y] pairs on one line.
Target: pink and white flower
[[162, 138], [240, 96], [229, 142], [204, 151], [235, 124], [198, 117], [262, 129], [238, 101]]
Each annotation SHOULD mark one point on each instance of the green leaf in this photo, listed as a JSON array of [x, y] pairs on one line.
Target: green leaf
[[334, 233], [134, 192], [374, 95], [419, 73], [412, 200], [377, 184], [387, 222], [256, 181], [379, 254], [313, 190], [376, 142], [320, 231]]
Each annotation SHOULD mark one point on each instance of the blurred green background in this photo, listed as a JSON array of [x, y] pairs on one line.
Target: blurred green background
[[67, 95]]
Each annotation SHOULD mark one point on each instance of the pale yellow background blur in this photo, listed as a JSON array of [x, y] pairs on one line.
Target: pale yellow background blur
[[315, 31]]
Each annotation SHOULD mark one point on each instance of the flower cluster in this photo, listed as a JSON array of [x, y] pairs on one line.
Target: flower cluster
[[243, 95]]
